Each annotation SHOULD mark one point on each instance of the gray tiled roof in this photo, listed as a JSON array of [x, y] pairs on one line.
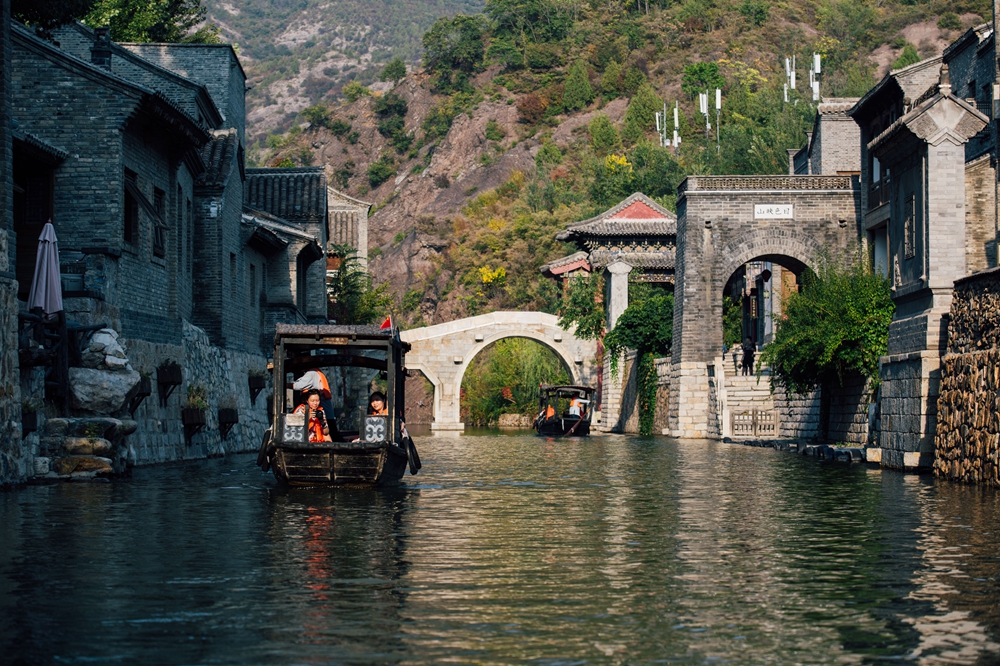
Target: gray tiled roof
[[219, 156], [293, 194], [662, 259]]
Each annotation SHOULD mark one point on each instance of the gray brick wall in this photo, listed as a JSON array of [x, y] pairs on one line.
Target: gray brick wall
[[216, 66]]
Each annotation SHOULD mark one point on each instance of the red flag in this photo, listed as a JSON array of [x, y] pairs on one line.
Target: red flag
[[386, 324]]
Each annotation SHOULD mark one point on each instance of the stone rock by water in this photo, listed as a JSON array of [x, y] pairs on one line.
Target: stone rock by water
[[84, 446], [100, 391]]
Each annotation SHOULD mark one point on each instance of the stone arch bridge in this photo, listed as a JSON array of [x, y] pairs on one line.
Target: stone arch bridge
[[443, 352]]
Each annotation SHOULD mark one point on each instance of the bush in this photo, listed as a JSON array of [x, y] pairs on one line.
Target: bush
[[611, 85], [394, 71], [908, 57], [339, 127], [494, 132], [344, 173], [390, 104], [381, 170], [949, 21], [838, 324], [354, 91], [542, 56], [531, 108], [317, 115], [755, 11], [389, 127]]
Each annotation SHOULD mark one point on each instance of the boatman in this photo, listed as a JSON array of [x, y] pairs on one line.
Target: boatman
[[575, 406]]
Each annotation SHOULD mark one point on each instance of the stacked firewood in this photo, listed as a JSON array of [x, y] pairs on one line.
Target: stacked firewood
[[967, 439]]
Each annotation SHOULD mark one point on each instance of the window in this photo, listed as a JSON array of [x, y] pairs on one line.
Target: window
[[159, 224], [910, 227], [130, 231]]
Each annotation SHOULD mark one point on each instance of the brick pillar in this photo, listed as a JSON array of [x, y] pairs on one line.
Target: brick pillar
[[14, 458]]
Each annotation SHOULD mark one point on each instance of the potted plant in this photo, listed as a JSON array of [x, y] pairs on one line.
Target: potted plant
[[193, 413], [228, 415], [257, 380], [168, 377], [169, 374], [29, 416], [145, 386]]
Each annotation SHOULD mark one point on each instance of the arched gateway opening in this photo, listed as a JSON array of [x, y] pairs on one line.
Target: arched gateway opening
[[733, 228]]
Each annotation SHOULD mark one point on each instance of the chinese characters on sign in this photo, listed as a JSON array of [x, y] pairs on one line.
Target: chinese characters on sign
[[773, 211]]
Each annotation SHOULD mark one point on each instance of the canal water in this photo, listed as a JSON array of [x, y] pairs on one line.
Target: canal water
[[508, 549]]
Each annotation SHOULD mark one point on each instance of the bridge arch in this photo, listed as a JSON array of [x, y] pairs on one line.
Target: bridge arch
[[443, 352]]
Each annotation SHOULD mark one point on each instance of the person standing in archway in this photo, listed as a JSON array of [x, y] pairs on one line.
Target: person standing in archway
[[748, 353]]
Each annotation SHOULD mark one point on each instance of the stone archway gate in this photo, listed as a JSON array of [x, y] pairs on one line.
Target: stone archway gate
[[724, 222], [443, 352]]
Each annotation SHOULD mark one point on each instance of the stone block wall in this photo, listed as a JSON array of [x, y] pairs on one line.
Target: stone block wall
[[160, 435], [798, 414], [910, 384], [848, 411], [967, 439], [661, 421], [980, 215]]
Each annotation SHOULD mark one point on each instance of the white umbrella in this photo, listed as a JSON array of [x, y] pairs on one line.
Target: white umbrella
[[46, 289]]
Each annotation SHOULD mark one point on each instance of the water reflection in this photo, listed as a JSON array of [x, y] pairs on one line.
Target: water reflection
[[508, 549]]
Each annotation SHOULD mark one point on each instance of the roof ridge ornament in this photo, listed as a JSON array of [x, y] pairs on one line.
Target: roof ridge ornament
[[944, 85]]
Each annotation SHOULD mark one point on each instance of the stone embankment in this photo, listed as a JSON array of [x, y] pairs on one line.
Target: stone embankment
[[967, 439]]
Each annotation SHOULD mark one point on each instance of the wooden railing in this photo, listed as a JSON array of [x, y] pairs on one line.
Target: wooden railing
[[756, 423]]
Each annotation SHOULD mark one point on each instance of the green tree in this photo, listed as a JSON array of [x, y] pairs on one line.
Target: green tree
[[614, 179], [908, 57], [701, 76], [603, 135], [837, 324], [453, 49], [153, 21], [578, 92], [318, 115], [640, 114], [45, 15], [633, 80], [529, 20], [647, 326], [394, 71], [351, 296], [582, 307], [611, 85], [755, 11], [732, 322]]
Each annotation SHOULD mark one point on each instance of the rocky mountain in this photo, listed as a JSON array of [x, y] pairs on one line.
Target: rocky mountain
[[300, 52], [471, 184]]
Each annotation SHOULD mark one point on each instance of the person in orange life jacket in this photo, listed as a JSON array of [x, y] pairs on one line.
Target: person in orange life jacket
[[576, 407], [319, 429], [314, 380]]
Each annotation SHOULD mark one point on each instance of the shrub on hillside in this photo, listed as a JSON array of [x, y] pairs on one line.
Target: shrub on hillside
[[531, 108], [354, 91], [577, 93], [381, 170], [603, 135]]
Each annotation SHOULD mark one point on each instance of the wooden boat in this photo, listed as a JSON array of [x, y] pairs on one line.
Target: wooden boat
[[554, 418], [379, 451]]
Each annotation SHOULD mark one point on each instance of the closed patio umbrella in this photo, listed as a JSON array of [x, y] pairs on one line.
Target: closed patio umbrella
[[46, 289]]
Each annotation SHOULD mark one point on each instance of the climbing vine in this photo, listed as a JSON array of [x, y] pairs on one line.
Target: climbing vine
[[647, 326]]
